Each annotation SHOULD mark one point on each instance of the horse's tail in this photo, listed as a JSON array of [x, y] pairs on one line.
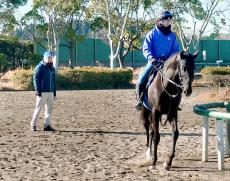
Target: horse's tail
[[163, 124]]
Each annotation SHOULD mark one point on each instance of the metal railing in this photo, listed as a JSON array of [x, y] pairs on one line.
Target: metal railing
[[223, 147]]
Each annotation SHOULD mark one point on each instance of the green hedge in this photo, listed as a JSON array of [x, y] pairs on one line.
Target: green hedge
[[15, 51], [3, 62], [80, 78], [215, 71], [23, 78], [219, 76]]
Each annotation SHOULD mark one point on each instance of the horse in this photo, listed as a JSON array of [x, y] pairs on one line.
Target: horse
[[163, 97]]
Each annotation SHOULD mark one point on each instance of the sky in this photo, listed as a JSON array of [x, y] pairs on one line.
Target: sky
[[24, 9]]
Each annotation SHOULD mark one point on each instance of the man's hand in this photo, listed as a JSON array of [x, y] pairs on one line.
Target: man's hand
[[156, 62], [152, 60], [38, 94]]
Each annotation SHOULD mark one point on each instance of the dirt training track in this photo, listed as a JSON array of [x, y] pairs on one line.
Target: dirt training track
[[99, 137]]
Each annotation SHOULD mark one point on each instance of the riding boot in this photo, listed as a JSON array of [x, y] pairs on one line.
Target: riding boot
[[138, 106]]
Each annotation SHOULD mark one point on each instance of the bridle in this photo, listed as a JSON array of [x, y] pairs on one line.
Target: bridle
[[178, 86]]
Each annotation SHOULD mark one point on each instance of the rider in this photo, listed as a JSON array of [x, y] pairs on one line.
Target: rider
[[159, 44]]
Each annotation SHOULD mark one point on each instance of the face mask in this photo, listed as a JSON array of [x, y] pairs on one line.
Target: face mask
[[50, 64], [164, 30]]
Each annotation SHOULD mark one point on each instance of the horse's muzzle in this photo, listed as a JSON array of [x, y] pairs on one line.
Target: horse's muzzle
[[188, 92]]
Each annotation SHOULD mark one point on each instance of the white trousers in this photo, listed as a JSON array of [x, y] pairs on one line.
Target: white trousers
[[46, 99]]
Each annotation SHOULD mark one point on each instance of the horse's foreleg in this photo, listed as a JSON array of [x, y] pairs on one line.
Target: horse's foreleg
[[175, 135], [155, 135], [146, 125], [149, 146]]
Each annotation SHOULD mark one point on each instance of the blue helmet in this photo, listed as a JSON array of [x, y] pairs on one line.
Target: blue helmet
[[164, 14]]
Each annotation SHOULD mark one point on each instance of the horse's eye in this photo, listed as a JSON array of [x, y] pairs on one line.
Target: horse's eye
[[185, 69]]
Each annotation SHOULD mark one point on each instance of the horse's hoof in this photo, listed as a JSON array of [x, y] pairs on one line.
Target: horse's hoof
[[149, 159], [152, 168], [148, 155], [165, 166]]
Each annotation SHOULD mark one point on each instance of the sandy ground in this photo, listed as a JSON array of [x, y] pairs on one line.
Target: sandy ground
[[99, 137]]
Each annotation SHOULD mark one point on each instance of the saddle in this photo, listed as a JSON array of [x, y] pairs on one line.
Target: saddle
[[151, 77]]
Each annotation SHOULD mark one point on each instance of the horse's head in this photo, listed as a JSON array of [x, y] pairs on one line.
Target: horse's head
[[186, 70]]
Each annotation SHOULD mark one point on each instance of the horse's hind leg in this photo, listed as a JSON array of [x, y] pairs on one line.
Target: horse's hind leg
[[175, 135]]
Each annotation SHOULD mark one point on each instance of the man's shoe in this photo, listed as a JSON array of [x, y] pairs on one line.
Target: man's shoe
[[138, 106], [33, 128], [49, 128]]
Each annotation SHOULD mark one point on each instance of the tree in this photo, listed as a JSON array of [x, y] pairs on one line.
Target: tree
[[76, 11], [36, 28], [54, 20], [220, 18], [187, 15], [206, 16], [113, 14], [7, 18], [12, 3], [137, 26]]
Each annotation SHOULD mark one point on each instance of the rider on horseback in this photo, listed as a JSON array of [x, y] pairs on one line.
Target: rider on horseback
[[159, 44]]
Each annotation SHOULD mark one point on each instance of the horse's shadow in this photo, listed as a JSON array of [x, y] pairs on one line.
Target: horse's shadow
[[141, 162], [191, 169]]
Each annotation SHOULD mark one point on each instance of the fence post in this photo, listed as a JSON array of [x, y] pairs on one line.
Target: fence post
[[95, 52], [132, 58], [227, 131], [227, 138], [76, 54], [205, 139], [220, 143]]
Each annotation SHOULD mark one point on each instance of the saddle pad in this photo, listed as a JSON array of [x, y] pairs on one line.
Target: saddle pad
[[145, 100]]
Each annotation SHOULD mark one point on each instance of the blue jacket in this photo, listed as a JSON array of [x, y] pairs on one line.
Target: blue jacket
[[157, 45], [44, 78]]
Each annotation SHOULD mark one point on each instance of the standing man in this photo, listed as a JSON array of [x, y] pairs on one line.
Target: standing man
[[159, 44], [45, 87]]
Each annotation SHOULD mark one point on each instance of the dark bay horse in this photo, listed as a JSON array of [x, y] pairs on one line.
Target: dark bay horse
[[164, 96]]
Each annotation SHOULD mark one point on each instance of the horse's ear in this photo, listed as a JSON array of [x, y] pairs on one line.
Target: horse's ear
[[196, 54], [183, 55]]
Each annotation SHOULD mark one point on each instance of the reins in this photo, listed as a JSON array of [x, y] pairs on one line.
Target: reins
[[170, 95], [163, 76]]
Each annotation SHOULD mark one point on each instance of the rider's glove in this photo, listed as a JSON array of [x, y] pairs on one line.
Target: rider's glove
[[38, 93], [152, 60], [155, 62]]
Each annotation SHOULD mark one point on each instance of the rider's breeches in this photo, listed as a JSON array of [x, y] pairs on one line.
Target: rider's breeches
[[47, 100], [143, 78]]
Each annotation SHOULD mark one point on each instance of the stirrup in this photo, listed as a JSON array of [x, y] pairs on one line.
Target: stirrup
[[138, 106]]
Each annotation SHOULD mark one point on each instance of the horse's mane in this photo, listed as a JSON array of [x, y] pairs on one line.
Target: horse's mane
[[171, 59]]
